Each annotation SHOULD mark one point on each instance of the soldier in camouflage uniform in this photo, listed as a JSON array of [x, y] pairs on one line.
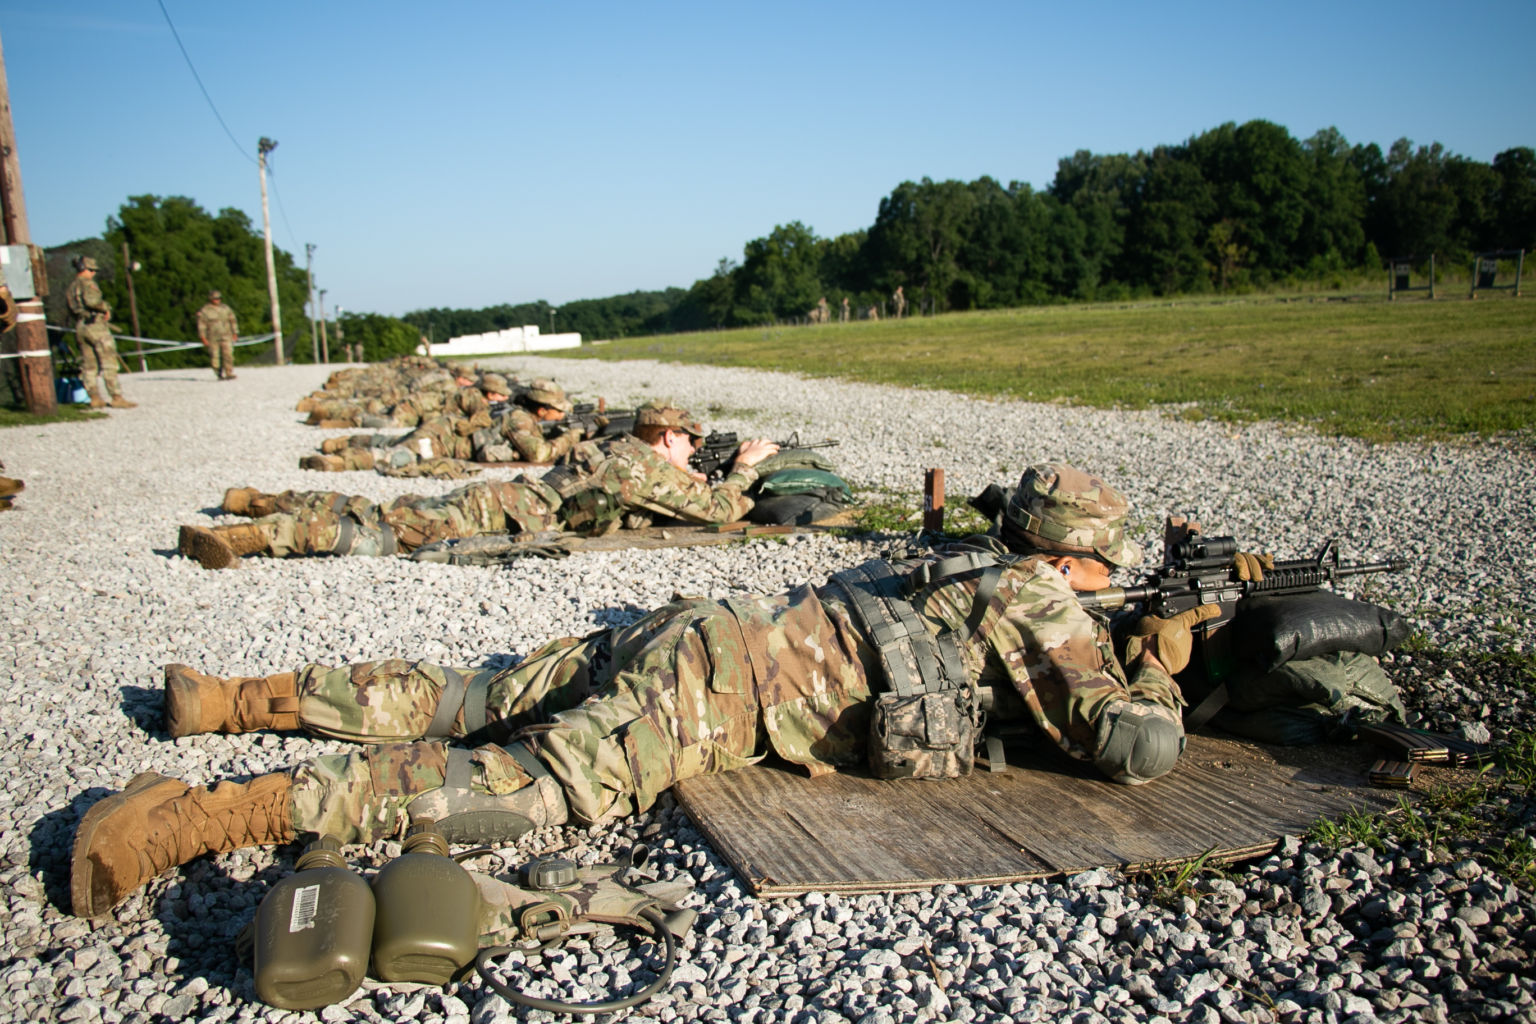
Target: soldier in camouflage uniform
[[593, 728], [516, 435], [98, 352], [625, 481], [217, 329], [401, 393]]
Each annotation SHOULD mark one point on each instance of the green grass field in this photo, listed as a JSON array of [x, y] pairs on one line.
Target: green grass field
[[1449, 368]]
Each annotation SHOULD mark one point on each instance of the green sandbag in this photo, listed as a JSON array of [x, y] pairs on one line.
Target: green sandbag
[[1311, 700], [799, 481]]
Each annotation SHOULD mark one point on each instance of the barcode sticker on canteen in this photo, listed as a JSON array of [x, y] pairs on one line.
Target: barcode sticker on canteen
[[305, 902]]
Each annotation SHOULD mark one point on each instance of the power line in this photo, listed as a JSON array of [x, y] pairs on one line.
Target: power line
[[185, 56]]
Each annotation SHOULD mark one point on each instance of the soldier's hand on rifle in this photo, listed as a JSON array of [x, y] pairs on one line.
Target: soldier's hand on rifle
[[1169, 640], [752, 452], [1250, 567]]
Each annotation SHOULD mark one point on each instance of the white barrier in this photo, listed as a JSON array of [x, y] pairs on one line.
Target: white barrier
[[509, 340]]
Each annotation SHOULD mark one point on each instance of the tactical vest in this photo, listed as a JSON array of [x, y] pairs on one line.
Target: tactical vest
[[927, 717], [584, 508]]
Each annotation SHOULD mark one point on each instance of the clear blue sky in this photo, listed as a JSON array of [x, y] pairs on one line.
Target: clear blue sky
[[466, 154]]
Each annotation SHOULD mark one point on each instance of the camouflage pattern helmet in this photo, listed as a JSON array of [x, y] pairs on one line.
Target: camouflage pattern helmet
[[86, 263], [546, 392], [662, 413], [494, 383], [215, 294], [1059, 508]]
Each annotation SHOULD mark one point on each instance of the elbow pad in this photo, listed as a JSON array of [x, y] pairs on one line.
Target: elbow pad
[[1138, 742]]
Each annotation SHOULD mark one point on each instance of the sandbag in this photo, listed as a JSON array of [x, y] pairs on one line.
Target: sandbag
[[797, 509], [801, 481], [1311, 700], [1271, 631]]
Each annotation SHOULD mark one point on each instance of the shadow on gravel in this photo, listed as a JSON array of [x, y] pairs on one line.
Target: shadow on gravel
[[145, 707], [52, 839], [204, 914], [617, 618]]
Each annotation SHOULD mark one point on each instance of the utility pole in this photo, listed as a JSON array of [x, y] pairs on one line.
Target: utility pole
[[263, 147], [340, 334], [133, 308], [325, 345], [31, 328], [309, 272]]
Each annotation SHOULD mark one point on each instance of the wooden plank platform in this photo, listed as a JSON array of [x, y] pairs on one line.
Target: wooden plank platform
[[787, 834]]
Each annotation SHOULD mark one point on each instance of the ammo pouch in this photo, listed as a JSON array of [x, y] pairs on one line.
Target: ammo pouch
[[927, 722]]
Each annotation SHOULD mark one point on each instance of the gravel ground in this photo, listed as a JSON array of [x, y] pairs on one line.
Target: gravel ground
[[100, 601]]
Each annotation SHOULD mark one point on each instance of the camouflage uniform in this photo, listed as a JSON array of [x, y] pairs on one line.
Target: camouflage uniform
[[694, 688], [624, 476], [218, 330], [98, 351]]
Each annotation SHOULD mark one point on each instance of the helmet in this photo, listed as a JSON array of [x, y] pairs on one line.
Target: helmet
[[1059, 508], [215, 294], [658, 413], [86, 263], [494, 383], [546, 392]]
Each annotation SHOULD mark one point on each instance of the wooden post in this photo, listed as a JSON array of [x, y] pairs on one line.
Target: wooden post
[[264, 147], [933, 500], [36, 360], [133, 310], [325, 345], [309, 274]]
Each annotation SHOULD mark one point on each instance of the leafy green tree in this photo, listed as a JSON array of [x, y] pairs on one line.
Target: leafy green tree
[[381, 337], [779, 277], [1515, 199]]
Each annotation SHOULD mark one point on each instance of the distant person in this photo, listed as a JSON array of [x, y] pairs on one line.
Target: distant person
[[843, 316], [899, 300], [217, 329], [98, 352]]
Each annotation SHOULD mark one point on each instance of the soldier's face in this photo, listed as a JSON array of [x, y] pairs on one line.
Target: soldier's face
[[677, 447], [1083, 573]]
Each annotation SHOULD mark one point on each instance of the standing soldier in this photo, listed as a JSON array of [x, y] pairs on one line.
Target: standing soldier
[[98, 353], [899, 300], [217, 329], [844, 316]]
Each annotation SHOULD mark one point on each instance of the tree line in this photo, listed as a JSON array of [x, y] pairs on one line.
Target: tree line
[[1236, 208]]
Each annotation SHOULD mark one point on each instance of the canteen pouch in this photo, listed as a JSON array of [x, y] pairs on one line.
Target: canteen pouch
[[928, 735]]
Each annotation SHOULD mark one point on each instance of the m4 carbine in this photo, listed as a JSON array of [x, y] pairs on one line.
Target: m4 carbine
[[1202, 570], [718, 450]]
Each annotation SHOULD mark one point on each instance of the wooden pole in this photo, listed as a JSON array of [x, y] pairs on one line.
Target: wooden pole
[[325, 343], [264, 147], [309, 273], [31, 324], [133, 310]]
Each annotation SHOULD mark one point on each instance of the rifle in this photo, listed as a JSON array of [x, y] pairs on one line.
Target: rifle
[[718, 450], [1200, 570]]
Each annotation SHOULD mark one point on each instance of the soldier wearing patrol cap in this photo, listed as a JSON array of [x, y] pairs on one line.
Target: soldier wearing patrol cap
[[92, 318], [594, 728], [217, 330]]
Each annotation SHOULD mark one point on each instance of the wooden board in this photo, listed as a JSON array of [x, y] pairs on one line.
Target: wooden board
[[787, 834]]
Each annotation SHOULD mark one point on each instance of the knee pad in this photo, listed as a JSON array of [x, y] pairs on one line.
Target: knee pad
[[1138, 742]]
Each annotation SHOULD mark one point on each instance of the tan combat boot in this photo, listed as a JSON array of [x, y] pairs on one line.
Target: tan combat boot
[[220, 547], [119, 402], [158, 822], [96, 401], [9, 487], [337, 445], [248, 501], [324, 463], [196, 703]]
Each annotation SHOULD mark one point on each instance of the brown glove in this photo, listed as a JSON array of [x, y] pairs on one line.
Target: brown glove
[[1251, 566], [1169, 640]]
